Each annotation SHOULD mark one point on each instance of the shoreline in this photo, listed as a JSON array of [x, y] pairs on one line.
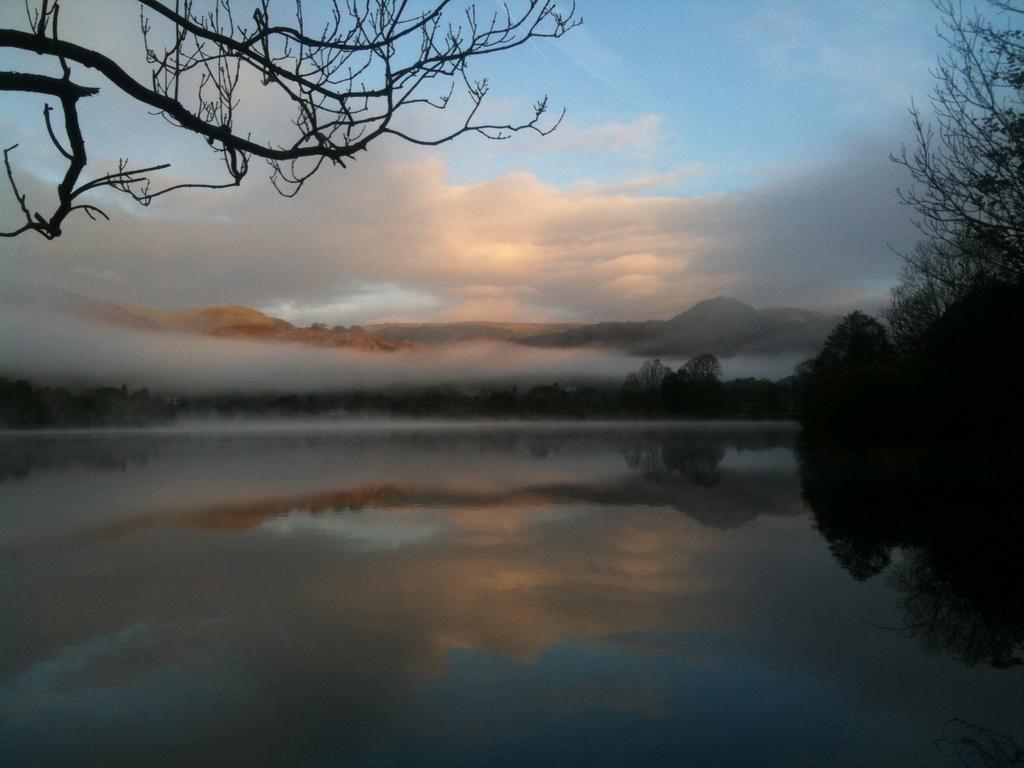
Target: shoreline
[[397, 424]]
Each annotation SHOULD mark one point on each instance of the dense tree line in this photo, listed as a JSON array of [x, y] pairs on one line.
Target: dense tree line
[[945, 365], [958, 381], [910, 426], [696, 390], [654, 391], [25, 406]]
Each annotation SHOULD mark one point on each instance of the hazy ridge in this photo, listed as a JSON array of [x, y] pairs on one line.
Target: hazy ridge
[[723, 326]]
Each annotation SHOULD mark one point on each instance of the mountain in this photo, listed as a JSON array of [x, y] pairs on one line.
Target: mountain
[[224, 322], [723, 326]]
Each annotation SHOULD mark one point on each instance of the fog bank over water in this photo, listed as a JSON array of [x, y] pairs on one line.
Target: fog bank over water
[[54, 349]]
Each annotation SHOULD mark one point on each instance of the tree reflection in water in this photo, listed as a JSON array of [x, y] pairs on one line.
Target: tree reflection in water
[[969, 744], [482, 595], [940, 523], [697, 461]]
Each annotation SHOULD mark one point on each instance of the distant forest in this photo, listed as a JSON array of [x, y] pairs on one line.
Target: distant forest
[[695, 390]]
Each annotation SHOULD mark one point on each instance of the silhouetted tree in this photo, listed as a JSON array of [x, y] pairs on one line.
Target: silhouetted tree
[[857, 340], [344, 69], [703, 367], [853, 388], [651, 374], [933, 278], [641, 391], [759, 398], [696, 388]]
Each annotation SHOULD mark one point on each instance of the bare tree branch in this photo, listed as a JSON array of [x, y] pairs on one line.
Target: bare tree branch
[[968, 165], [347, 78]]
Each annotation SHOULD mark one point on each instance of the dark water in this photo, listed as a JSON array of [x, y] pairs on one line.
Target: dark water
[[492, 596]]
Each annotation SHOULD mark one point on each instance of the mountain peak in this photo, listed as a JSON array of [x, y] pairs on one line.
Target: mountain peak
[[718, 307], [721, 325]]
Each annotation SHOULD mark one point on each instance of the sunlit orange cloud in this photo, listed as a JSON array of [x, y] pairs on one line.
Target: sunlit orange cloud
[[507, 309], [542, 251], [566, 247], [399, 240], [483, 301]]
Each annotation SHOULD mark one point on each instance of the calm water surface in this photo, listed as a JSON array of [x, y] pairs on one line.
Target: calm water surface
[[462, 596]]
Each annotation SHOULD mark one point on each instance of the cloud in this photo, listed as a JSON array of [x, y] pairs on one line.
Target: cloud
[[397, 240], [825, 237], [392, 238], [641, 135], [868, 54], [400, 227], [599, 62], [508, 308], [654, 181], [350, 307]]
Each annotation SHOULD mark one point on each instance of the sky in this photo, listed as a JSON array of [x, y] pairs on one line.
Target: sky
[[708, 148]]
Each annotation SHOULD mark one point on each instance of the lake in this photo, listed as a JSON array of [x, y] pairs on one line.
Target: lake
[[486, 595]]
